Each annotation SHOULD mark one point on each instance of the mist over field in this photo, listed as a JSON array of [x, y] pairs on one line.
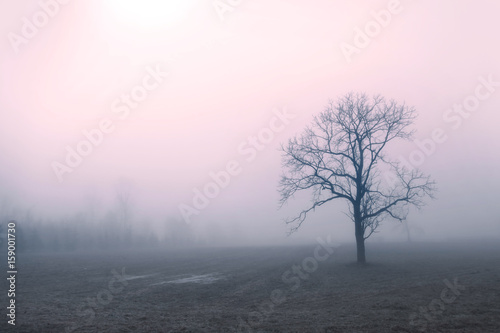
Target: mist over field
[[132, 127]]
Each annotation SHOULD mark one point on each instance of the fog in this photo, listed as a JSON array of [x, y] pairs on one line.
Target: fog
[[209, 84]]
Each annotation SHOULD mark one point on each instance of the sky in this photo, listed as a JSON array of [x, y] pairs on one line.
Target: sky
[[173, 92]]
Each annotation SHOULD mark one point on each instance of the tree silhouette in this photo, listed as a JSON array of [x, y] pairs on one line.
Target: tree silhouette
[[341, 156], [123, 195], [406, 228]]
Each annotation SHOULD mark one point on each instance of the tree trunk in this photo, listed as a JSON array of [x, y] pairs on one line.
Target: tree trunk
[[360, 243]]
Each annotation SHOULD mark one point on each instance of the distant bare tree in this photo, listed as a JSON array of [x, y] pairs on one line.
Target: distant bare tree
[[341, 156], [408, 230], [123, 194], [92, 206], [178, 233], [7, 209]]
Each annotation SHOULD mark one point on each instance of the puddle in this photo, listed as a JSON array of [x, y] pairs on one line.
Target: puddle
[[134, 277], [201, 279]]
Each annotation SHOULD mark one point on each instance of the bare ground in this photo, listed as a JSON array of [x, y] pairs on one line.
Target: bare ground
[[237, 289]]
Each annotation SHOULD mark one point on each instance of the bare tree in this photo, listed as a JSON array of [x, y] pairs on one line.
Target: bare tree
[[93, 206], [341, 156], [123, 195], [406, 228]]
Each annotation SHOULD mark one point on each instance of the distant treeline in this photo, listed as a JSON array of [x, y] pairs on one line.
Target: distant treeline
[[84, 233]]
